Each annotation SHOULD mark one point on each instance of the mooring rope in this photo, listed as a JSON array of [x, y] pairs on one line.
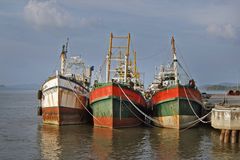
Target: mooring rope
[[200, 119], [137, 116], [193, 123], [146, 116], [190, 126], [82, 103]]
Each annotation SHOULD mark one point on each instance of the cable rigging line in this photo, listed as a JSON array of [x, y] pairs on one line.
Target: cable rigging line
[[81, 101]]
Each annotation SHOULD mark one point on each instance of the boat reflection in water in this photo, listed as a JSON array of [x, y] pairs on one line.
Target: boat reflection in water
[[102, 142], [50, 142], [87, 142], [125, 143], [164, 143], [64, 142], [172, 144]]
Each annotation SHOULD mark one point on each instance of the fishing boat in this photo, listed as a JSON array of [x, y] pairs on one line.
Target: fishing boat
[[116, 102], [64, 96], [176, 103]]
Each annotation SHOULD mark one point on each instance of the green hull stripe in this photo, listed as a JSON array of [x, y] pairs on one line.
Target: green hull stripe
[[113, 107], [176, 98], [176, 107]]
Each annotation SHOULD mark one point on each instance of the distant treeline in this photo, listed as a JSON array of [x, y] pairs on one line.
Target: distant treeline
[[220, 87], [1, 86]]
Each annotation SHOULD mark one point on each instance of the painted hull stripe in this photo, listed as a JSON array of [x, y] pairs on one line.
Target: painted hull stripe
[[67, 79], [176, 98], [80, 84], [64, 107], [63, 115], [164, 95], [65, 88], [111, 90]]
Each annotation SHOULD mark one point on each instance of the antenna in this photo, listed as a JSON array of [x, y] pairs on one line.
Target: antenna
[[67, 44], [173, 48], [175, 63], [63, 48]]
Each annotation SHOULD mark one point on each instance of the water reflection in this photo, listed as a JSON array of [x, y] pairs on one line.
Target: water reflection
[[165, 143], [65, 142], [173, 144], [189, 144], [221, 149], [49, 142], [102, 142], [87, 142], [119, 143]]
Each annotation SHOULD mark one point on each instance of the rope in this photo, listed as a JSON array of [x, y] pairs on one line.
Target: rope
[[146, 116], [181, 56], [136, 115], [82, 103], [195, 122], [99, 74], [189, 76], [182, 130], [192, 108]]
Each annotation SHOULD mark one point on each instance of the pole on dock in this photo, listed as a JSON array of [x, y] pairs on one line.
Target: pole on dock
[[226, 136], [222, 135], [234, 136]]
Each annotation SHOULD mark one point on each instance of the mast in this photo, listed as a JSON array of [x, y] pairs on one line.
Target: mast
[[175, 67], [126, 58], [120, 65], [109, 59], [135, 64], [63, 57]]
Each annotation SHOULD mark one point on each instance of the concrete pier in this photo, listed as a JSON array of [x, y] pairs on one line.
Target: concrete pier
[[227, 119]]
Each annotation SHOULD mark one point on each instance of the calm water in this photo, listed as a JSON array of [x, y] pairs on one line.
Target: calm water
[[23, 136]]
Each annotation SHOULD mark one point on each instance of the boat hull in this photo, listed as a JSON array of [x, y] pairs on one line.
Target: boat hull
[[63, 103], [112, 109], [177, 107]]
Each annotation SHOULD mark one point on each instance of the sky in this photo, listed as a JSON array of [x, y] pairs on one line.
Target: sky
[[207, 36]]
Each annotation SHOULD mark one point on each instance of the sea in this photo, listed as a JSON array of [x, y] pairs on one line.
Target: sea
[[23, 136]]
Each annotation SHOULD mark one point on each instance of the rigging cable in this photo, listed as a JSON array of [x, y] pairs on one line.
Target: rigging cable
[[81, 101], [200, 119], [146, 116], [183, 61], [136, 115]]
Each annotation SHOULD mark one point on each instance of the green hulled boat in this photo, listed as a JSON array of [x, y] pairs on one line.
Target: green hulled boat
[[116, 101], [175, 104]]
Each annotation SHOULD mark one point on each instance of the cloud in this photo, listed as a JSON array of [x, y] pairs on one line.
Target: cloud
[[46, 14], [216, 17], [49, 14], [225, 31]]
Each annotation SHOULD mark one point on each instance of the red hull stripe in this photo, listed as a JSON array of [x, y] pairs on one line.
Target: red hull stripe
[[64, 115], [111, 90], [177, 92]]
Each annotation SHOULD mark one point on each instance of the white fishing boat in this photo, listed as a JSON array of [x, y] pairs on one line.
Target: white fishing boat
[[64, 96]]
